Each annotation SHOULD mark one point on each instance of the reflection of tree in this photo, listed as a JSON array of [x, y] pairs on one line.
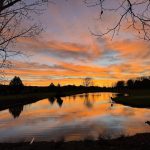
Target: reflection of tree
[[51, 99], [59, 101], [74, 97], [148, 122], [16, 110], [87, 101]]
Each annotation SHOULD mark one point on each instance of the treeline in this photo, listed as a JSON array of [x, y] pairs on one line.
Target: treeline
[[16, 86], [138, 83], [7, 90]]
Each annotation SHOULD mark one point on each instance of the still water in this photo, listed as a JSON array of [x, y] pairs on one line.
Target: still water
[[84, 116]]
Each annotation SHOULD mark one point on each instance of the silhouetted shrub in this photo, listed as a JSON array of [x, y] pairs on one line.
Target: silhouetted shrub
[[16, 85], [16, 82]]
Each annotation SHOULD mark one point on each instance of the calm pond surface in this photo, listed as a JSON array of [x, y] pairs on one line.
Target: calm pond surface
[[84, 116]]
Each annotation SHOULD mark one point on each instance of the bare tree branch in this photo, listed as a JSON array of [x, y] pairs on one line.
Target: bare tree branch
[[135, 13], [16, 21], [87, 82], [6, 4]]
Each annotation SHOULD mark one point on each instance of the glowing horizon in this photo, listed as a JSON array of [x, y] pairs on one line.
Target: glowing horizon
[[67, 52]]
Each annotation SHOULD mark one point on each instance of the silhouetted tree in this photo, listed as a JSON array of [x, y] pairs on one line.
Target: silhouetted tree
[[16, 86], [16, 82], [138, 83], [87, 82], [145, 83], [58, 85], [130, 84], [17, 20], [120, 84], [52, 85]]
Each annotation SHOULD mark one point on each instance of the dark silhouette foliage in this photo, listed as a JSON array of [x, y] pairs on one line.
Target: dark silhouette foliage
[[130, 84], [16, 85], [138, 83], [120, 84], [16, 82]]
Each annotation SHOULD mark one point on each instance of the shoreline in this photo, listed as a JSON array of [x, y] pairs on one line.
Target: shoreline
[[135, 142], [138, 98], [24, 99]]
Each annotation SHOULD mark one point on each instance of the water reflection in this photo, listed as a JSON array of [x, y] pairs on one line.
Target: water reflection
[[87, 101], [45, 120], [51, 99], [16, 110], [148, 122], [59, 100]]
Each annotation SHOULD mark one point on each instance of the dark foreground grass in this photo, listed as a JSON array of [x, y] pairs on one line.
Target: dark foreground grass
[[137, 142]]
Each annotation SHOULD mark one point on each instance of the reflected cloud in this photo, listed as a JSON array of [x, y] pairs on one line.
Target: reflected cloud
[[74, 121]]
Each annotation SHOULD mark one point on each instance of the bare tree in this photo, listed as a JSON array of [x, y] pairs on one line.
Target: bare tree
[[17, 20], [88, 81], [135, 13]]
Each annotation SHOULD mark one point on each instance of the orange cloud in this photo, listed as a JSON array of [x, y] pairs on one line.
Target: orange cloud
[[131, 48], [56, 48]]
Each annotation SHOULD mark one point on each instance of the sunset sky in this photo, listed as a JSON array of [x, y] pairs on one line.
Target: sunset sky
[[66, 52]]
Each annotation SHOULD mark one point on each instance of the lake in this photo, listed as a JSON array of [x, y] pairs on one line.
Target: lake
[[79, 117]]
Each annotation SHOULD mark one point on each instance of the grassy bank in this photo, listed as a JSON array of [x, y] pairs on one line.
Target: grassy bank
[[134, 101], [137, 142], [40, 95], [134, 98], [23, 98]]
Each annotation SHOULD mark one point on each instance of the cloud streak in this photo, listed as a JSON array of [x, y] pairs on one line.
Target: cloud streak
[[67, 51], [62, 49]]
